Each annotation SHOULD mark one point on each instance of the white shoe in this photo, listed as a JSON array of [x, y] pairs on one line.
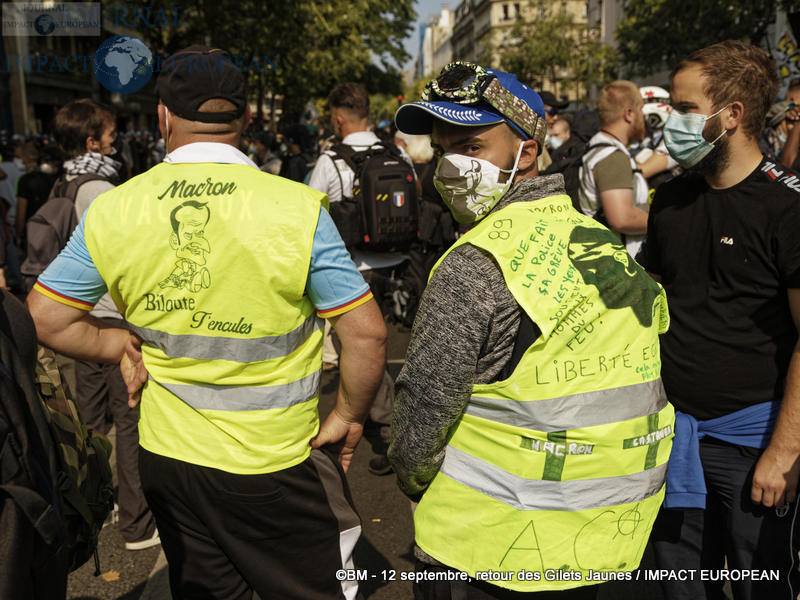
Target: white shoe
[[142, 544]]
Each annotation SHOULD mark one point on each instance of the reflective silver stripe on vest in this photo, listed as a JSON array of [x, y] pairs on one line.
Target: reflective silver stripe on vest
[[204, 347], [231, 397], [572, 412], [537, 494]]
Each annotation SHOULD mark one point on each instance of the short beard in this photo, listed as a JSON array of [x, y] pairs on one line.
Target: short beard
[[715, 161]]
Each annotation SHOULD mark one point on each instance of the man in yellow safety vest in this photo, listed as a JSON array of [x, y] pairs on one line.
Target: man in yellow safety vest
[[530, 421], [222, 272]]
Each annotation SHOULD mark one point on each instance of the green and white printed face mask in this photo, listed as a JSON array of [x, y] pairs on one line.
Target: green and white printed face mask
[[470, 186]]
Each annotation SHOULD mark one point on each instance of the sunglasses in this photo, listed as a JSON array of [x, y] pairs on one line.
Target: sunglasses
[[465, 82], [551, 111]]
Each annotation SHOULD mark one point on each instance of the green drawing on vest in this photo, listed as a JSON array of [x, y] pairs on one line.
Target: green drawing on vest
[[188, 239], [603, 262], [652, 439], [554, 461]]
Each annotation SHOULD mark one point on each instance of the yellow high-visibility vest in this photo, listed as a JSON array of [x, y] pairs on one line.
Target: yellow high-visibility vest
[[208, 263], [555, 475]]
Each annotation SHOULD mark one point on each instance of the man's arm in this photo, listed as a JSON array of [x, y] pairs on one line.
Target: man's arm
[[323, 178], [791, 148], [451, 328], [362, 361], [621, 214], [654, 165], [76, 333], [776, 474]]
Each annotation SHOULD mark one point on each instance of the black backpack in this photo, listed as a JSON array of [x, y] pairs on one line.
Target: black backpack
[[383, 213], [48, 230]]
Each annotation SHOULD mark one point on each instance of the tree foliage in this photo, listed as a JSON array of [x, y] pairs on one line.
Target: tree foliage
[[657, 34], [313, 44], [550, 44]]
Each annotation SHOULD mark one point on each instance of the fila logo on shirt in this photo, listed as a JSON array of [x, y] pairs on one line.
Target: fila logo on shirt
[[726, 240]]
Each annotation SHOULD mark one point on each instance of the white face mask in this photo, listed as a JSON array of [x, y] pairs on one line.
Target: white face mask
[[555, 143], [470, 186]]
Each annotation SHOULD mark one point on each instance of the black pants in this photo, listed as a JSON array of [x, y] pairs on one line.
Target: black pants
[[283, 535], [750, 536], [103, 399], [481, 590]]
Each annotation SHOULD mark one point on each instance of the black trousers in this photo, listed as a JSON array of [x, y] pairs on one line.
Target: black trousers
[[481, 590], [750, 536], [103, 399], [283, 535]]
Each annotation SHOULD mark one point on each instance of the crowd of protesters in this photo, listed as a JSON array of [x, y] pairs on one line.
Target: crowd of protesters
[[682, 242]]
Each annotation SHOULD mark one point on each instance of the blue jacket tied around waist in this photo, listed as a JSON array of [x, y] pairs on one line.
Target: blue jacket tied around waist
[[751, 426]]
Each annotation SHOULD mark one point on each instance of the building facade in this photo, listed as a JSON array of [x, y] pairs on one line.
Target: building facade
[[481, 26], [436, 49]]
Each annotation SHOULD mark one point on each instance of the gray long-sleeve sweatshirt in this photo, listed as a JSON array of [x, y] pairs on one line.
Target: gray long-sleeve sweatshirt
[[464, 333]]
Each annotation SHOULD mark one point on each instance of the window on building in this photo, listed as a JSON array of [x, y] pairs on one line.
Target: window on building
[[563, 8], [542, 11], [505, 12], [516, 10]]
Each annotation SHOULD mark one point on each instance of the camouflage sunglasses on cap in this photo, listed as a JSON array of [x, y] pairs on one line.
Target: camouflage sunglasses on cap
[[465, 82]]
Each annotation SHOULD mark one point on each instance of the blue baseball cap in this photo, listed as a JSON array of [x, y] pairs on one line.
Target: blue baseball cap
[[416, 118]]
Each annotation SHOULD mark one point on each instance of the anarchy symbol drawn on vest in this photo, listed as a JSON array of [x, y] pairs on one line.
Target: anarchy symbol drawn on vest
[[188, 240]]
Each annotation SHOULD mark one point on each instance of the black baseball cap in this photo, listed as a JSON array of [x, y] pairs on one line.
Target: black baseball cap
[[196, 74], [550, 99]]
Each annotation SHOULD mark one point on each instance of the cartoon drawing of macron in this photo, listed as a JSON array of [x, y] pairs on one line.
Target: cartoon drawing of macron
[[188, 239]]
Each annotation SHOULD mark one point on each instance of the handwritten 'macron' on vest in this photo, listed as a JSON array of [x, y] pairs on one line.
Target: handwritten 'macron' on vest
[[214, 284], [558, 470]]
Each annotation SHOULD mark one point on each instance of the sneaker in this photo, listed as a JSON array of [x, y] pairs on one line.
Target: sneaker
[[380, 465], [142, 544], [113, 516]]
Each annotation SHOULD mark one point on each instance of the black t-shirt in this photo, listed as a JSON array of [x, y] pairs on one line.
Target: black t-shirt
[[35, 187], [726, 259]]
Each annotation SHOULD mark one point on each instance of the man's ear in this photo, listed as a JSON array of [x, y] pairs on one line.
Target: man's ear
[[92, 145], [628, 115], [735, 116], [162, 120], [528, 156]]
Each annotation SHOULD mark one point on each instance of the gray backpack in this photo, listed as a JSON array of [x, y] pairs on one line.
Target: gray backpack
[[48, 230]]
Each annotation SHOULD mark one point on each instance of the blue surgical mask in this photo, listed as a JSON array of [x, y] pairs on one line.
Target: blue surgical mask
[[683, 134]]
